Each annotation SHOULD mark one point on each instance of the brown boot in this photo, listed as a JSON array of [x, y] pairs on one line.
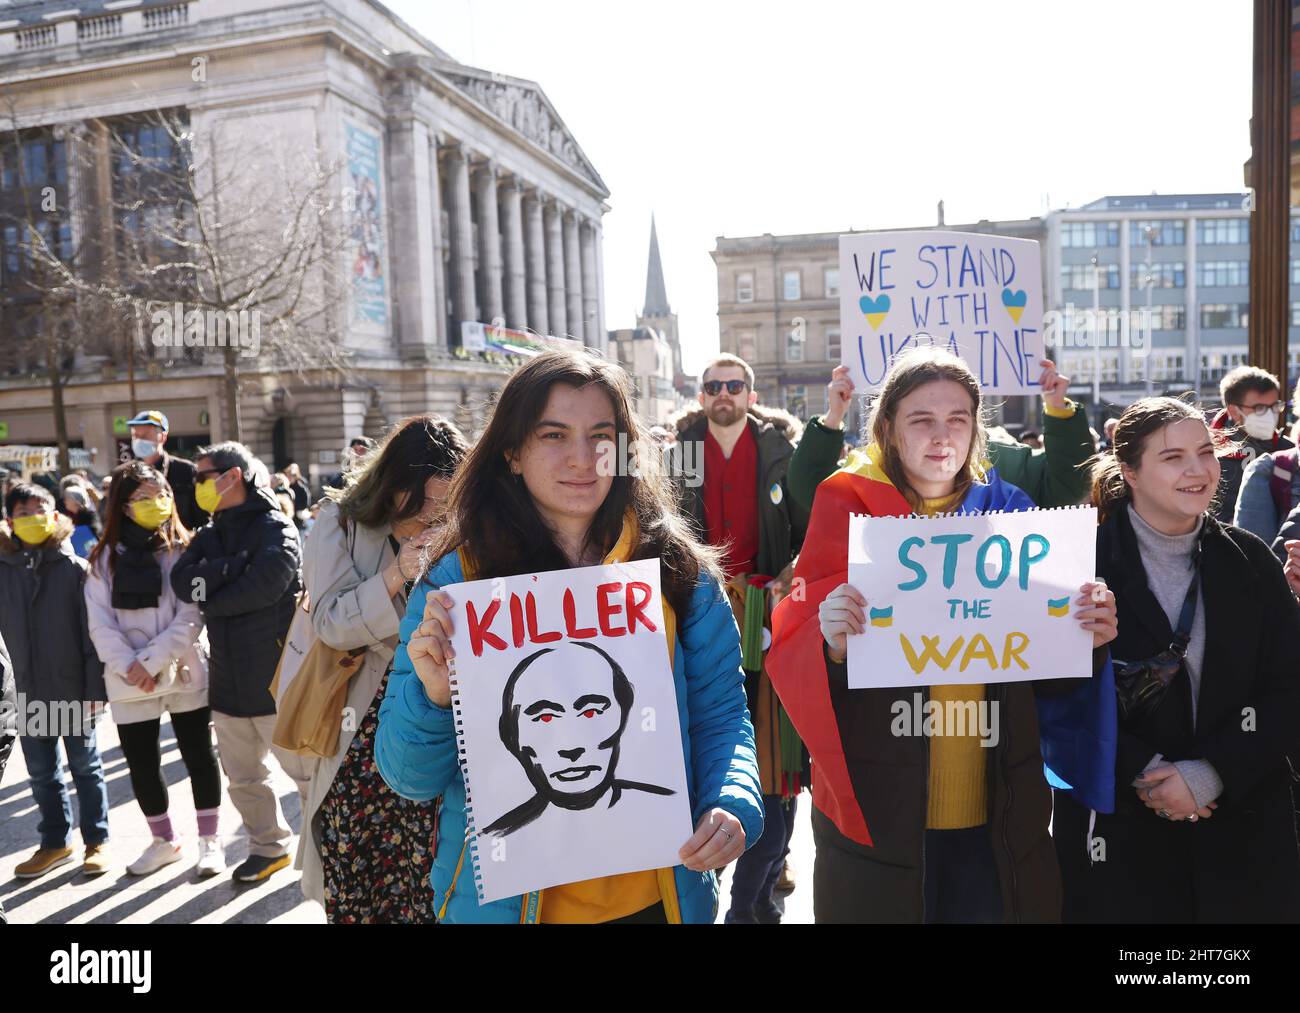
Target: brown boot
[[42, 862], [97, 859], [786, 883]]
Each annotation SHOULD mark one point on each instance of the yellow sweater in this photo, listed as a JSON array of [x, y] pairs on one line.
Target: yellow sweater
[[958, 789]]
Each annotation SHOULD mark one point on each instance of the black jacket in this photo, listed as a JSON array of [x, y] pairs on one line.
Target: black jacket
[[244, 570], [180, 475], [1289, 531], [1241, 864], [43, 620], [781, 522], [1232, 465]]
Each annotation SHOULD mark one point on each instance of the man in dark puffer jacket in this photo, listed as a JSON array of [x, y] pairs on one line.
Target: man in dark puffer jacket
[[243, 570]]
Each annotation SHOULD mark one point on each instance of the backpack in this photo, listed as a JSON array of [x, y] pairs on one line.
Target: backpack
[[1285, 464]]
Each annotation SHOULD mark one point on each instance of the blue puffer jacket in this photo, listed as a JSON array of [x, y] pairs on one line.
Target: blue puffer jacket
[[415, 750]]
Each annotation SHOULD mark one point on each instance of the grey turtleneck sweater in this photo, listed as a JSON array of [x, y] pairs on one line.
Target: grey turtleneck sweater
[[1167, 560]]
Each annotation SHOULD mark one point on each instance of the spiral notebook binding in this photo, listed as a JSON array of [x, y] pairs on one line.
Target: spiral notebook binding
[[471, 832], [984, 513]]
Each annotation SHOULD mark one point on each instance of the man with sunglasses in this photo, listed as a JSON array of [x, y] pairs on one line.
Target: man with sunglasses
[[244, 571], [1253, 408], [738, 499]]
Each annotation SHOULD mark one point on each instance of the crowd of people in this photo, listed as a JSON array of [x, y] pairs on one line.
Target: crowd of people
[[189, 578]]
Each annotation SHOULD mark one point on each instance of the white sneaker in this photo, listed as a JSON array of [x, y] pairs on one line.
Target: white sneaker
[[212, 857], [158, 854]]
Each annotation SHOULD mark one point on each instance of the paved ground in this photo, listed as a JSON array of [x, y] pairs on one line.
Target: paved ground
[[173, 895], [170, 896]]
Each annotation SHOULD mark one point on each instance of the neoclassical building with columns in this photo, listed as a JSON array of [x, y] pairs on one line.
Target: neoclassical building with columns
[[474, 205]]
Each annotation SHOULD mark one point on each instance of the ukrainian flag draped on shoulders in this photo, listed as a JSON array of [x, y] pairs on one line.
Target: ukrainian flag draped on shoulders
[[1078, 730]]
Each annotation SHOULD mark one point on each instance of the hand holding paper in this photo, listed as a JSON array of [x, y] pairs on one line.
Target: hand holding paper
[[430, 648], [843, 612]]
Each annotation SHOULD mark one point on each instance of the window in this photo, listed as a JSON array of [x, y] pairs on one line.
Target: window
[[1223, 272], [1224, 231], [1295, 272], [744, 288], [1168, 317], [794, 345], [1079, 276], [790, 289], [1168, 274], [1295, 314], [1217, 315], [746, 346], [1167, 366], [796, 401], [1110, 369], [833, 344], [1171, 232], [831, 280], [1090, 234]]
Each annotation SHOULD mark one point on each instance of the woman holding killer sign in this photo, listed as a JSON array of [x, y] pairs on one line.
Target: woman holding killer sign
[[533, 498], [1207, 693], [911, 828]]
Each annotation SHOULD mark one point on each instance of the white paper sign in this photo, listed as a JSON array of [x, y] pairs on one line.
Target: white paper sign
[[982, 598], [566, 717], [980, 297]]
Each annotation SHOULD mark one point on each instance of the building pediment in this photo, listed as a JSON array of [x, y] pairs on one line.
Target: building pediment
[[522, 106]]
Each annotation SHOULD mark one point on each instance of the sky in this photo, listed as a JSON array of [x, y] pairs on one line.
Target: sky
[[732, 118]]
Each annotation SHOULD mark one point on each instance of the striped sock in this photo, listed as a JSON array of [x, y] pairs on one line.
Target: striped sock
[[161, 826], [208, 822]]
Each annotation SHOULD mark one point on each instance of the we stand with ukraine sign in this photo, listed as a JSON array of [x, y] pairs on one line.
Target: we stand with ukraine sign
[[975, 598], [978, 296]]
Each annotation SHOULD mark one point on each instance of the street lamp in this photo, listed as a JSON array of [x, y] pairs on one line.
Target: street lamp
[[1150, 232], [1096, 331]]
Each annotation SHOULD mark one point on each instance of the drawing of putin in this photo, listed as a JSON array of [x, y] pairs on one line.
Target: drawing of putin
[[563, 713]]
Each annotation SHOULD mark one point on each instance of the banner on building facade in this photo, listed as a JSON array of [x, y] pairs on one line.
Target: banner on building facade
[[368, 260]]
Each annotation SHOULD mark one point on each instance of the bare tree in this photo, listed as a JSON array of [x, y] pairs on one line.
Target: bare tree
[[242, 259]]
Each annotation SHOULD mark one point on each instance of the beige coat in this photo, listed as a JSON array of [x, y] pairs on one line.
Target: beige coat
[[350, 607]]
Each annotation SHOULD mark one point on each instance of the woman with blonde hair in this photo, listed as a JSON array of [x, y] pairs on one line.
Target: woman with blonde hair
[[915, 828]]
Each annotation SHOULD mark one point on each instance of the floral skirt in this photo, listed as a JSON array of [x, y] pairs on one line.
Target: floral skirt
[[376, 847]]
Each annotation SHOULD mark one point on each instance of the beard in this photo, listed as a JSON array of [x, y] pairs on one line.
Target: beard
[[724, 414]]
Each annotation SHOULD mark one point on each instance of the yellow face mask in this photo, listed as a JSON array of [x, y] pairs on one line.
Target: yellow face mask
[[206, 495], [152, 513], [35, 528]]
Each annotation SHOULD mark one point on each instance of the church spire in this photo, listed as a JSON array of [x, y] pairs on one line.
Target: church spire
[[656, 293]]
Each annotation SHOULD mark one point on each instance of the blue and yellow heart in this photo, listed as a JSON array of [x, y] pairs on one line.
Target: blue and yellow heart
[[875, 310], [1058, 606], [1014, 303]]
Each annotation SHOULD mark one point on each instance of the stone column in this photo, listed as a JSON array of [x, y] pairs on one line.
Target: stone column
[[573, 277], [516, 276], [462, 237], [590, 302], [555, 270], [489, 244], [536, 244], [438, 328], [411, 267]]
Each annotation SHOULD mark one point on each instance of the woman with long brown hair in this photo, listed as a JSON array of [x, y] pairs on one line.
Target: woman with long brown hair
[[534, 496], [365, 851], [932, 828], [155, 659], [1207, 695]]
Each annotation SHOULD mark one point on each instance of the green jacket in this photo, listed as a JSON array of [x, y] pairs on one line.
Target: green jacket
[[1051, 477]]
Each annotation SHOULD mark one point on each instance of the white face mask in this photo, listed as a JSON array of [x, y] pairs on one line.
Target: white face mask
[[1259, 427], [143, 449]]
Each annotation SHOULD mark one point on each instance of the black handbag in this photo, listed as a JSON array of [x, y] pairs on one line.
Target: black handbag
[[1140, 686]]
